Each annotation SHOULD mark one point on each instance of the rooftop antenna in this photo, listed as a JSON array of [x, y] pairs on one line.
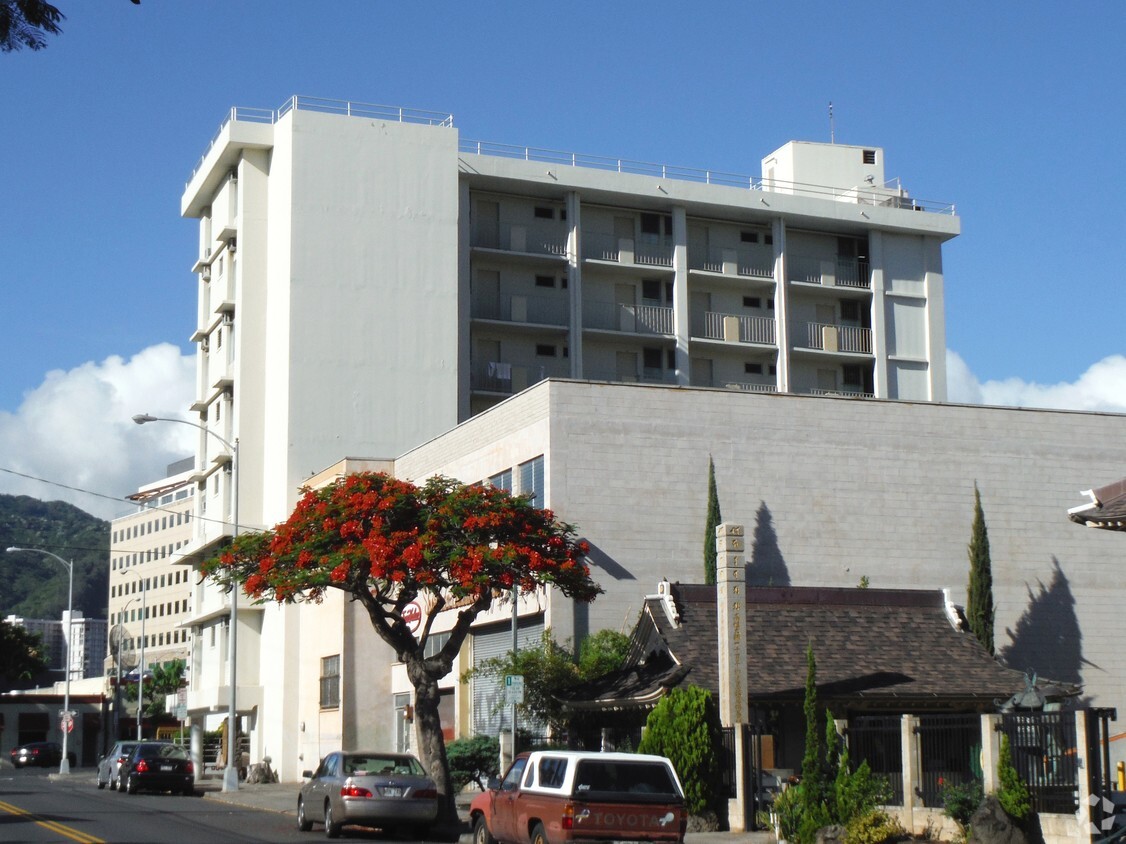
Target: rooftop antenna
[[832, 132]]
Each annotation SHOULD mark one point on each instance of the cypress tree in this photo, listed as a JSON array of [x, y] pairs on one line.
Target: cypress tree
[[713, 521], [979, 593]]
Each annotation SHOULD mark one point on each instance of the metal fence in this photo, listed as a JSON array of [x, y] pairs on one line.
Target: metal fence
[[878, 740], [949, 754], [1045, 754]]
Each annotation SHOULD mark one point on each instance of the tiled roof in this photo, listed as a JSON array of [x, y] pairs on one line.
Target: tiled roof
[[1107, 510], [885, 647]]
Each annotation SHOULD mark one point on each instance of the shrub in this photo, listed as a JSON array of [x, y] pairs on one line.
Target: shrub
[[960, 801], [684, 726], [473, 760], [874, 827], [1012, 793], [858, 792]]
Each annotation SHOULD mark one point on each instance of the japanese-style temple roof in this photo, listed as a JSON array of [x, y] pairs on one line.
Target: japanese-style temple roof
[[1106, 510], [874, 648]]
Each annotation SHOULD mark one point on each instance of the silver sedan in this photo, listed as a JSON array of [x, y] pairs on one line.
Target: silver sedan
[[369, 789], [110, 764]]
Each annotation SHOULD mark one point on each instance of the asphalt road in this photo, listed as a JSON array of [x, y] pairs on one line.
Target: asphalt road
[[36, 809]]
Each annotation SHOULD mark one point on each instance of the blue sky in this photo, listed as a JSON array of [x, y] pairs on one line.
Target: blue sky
[[1015, 112]]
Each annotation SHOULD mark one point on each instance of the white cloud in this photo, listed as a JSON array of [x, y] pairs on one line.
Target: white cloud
[[1101, 388], [76, 429]]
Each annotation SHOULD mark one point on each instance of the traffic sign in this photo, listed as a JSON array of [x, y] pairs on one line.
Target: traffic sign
[[513, 688]]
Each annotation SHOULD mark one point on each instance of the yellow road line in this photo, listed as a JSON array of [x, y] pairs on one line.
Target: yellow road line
[[54, 826]]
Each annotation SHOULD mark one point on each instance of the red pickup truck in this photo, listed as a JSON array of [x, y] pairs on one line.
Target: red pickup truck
[[557, 796]]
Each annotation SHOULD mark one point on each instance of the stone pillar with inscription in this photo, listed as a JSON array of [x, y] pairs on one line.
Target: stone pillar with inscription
[[731, 585]]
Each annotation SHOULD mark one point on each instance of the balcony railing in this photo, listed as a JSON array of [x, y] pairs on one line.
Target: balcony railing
[[518, 239], [751, 387], [830, 272], [844, 392], [625, 251], [749, 263], [838, 338], [505, 377], [634, 319], [734, 328], [541, 310]]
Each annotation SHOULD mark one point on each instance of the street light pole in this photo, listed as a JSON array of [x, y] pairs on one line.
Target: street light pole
[[67, 724], [141, 665], [230, 773]]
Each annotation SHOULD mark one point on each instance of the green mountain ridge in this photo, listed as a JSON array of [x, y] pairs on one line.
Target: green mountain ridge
[[34, 585]]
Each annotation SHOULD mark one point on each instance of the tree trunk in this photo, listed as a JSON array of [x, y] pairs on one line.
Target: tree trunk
[[431, 744]]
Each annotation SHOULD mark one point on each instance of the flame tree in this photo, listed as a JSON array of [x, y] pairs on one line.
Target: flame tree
[[387, 543]]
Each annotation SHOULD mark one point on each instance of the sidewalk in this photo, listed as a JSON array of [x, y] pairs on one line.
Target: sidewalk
[[282, 797]]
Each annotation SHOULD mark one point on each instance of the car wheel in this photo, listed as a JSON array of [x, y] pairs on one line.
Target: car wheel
[[100, 783], [539, 835], [189, 790], [332, 828], [131, 785], [481, 834], [112, 783], [303, 822]]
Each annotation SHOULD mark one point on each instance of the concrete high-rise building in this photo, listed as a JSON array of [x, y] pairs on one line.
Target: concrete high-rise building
[[149, 593], [88, 643], [368, 280]]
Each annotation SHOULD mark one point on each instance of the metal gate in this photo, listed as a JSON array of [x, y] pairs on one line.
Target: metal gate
[[756, 799]]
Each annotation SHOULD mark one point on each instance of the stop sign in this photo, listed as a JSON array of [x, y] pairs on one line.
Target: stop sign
[[412, 616]]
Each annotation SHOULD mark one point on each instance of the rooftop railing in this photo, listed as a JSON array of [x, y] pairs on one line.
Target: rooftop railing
[[890, 194], [343, 107]]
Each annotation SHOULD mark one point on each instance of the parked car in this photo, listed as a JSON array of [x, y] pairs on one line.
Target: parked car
[[561, 796], [110, 764], [157, 766], [371, 789], [41, 753]]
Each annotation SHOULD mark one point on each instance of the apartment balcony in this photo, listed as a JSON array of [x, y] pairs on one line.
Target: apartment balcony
[[825, 337], [518, 242], [504, 378], [735, 262], [609, 250], [529, 310], [829, 272], [630, 319], [734, 328], [647, 375]]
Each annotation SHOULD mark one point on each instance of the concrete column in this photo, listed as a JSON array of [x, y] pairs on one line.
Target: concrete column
[[575, 282], [934, 287], [781, 307], [911, 771], [680, 316], [990, 751], [879, 315], [731, 582], [195, 741], [1084, 813]]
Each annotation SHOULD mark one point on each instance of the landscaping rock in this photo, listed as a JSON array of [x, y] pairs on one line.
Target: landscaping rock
[[990, 825], [831, 835]]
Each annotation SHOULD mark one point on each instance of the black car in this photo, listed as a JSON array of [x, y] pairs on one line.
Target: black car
[[42, 753], [157, 766]]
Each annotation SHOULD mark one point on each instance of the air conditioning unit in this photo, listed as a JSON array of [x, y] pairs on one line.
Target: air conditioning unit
[[206, 273], [232, 245]]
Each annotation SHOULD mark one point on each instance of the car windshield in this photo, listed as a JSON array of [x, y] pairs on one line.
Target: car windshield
[[358, 765]]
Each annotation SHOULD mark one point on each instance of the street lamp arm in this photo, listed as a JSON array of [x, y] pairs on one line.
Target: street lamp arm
[[142, 418]]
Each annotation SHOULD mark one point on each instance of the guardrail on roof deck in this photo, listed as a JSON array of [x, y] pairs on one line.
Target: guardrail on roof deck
[[891, 195], [326, 106]]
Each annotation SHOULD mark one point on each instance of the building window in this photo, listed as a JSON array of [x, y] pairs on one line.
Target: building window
[[770, 304], [434, 643], [651, 358], [752, 368], [869, 156], [503, 480], [545, 281], [545, 350], [752, 302], [531, 480], [403, 725], [330, 682], [748, 237], [543, 213]]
